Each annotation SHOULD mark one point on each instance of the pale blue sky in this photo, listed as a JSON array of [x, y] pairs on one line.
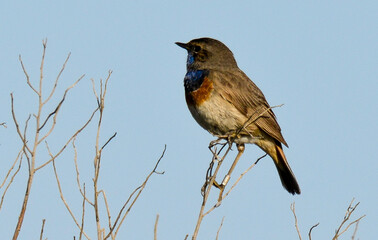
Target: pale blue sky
[[319, 58]]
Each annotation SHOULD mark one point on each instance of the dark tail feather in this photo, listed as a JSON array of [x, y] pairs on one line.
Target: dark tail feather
[[287, 176]]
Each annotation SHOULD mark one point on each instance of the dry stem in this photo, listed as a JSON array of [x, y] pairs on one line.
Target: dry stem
[[155, 227], [348, 213], [292, 207], [220, 227], [43, 226], [30, 151]]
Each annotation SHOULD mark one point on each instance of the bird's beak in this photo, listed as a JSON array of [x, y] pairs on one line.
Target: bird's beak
[[183, 45]]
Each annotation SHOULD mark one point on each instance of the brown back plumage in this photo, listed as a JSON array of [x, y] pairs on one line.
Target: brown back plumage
[[239, 90]]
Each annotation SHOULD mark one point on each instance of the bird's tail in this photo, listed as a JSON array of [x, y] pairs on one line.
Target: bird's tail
[[274, 150], [286, 174]]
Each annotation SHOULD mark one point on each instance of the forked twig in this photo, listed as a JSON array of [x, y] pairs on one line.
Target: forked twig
[[234, 185], [348, 213], [64, 200], [53, 157], [19, 158], [55, 112], [207, 192], [78, 174], [137, 191], [292, 207]]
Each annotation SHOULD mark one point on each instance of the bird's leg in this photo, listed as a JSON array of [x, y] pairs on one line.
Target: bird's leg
[[209, 172], [222, 186], [216, 141]]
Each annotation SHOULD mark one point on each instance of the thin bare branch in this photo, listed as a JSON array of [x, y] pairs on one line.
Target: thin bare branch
[[220, 227], [207, 191], [292, 207], [44, 43], [82, 215], [309, 233], [11, 168], [94, 92], [107, 211], [103, 146], [27, 75], [97, 158], [69, 140], [138, 190], [234, 185], [43, 226], [4, 124], [18, 126], [55, 112], [348, 213], [253, 119], [355, 230], [155, 227], [12, 178], [78, 173], [64, 200], [57, 79]]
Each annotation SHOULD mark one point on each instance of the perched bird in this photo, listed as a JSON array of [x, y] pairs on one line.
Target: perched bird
[[222, 99]]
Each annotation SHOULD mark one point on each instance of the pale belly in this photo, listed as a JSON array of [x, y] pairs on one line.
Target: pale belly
[[220, 118]]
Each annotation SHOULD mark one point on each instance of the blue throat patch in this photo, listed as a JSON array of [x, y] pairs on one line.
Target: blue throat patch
[[194, 79], [190, 59]]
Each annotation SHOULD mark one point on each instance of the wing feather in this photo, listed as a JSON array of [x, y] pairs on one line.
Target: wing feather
[[240, 91]]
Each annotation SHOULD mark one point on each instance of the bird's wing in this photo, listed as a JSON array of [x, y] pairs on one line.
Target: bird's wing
[[240, 91]]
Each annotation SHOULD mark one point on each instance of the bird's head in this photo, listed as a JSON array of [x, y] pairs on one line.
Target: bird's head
[[208, 53]]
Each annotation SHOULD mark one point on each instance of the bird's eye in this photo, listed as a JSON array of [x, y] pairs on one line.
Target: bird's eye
[[197, 48]]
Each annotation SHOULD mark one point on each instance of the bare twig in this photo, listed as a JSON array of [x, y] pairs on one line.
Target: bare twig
[[103, 146], [57, 79], [78, 173], [65, 202], [241, 175], [29, 150], [27, 75], [53, 157], [107, 211], [155, 227], [292, 207], [137, 191], [97, 158], [355, 230], [18, 126], [82, 215], [55, 112], [348, 213], [220, 227], [11, 168], [19, 158], [4, 124], [207, 192], [43, 225], [309, 233], [234, 185]]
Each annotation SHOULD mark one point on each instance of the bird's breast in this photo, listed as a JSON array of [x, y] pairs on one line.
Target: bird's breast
[[198, 87]]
